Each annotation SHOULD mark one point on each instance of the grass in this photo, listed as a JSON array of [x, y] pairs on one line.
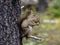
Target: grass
[[47, 31]]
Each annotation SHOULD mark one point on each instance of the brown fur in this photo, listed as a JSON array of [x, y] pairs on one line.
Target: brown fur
[[26, 24]]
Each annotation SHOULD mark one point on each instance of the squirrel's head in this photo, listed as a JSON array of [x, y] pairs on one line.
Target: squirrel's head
[[34, 19]]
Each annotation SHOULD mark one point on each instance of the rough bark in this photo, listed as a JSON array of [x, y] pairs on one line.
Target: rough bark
[[9, 12]]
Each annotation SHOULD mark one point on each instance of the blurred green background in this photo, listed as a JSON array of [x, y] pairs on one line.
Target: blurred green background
[[49, 28]]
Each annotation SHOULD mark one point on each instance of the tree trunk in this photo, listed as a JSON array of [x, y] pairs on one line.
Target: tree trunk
[[9, 32]]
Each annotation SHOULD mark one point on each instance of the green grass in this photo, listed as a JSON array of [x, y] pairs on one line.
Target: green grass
[[49, 32]]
